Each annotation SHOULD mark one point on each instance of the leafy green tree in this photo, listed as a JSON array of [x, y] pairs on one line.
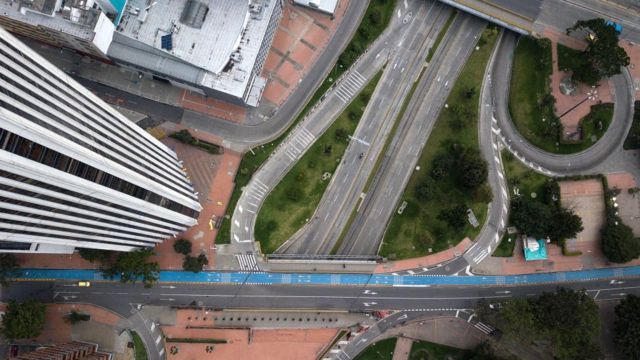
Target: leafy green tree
[[134, 265], [472, 168], [194, 264], [182, 246], [564, 224], [23, 320], [603, 56], [530, 217], [96, 255], [426, 190], [518, 317], [456, 217], [572, 322], [627, 327], [618, 243], [8, 267], [441, 166]]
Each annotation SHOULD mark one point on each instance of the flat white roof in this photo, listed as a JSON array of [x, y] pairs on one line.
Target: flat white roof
[[327, 6]]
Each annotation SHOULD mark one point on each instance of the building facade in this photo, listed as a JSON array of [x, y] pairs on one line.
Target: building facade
[[76, 173], [216, 48]]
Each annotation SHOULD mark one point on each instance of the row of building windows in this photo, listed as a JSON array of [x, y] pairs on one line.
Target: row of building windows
[[155, 172], [106, 116], [89, 210], [72, 232], [26, 148], [165, 223]]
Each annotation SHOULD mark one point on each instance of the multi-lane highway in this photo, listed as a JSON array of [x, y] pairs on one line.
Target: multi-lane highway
[[366, 233], [343, 193], [408, 32]]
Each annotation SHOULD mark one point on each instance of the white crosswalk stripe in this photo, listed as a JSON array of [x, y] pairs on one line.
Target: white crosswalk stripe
[[247, 261], [350, 86], [487, 329]]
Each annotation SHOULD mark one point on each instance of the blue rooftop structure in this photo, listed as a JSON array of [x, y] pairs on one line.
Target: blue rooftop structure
[[119, 6], [534, 249]]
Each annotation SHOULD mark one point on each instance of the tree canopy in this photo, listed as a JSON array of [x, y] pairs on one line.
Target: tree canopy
[[23, 320], [603, 57], [134, 265], [542, 220], [8, 267], [182, 246], [194, 264], [567, 319], [618, 243], [627, 327]]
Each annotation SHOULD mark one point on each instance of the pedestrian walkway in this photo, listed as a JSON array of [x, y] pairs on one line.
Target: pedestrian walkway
[[351, 86], [247, 262], [421, 264], [299, 143]]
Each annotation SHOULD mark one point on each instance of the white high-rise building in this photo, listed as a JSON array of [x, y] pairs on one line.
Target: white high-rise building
[[76, 173]]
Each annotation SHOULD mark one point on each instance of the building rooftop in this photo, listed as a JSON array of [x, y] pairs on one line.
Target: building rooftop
[[74, 18], [326, 6], [211, 43], [534, 249]]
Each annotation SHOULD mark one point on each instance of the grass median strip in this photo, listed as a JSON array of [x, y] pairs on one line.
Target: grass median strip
[[434, 196], [375, 21], [138, 345], [291, 204]]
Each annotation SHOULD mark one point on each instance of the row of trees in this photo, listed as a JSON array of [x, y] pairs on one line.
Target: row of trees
[[130, 266], [566, 320]]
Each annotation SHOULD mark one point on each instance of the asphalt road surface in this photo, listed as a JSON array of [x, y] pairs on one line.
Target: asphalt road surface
[[555, 164], [314, 125], [347, 183], [122, 298], [366, 233]]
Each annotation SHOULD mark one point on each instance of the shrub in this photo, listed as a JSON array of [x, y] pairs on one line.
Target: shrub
[[182, 246], [194, 264]]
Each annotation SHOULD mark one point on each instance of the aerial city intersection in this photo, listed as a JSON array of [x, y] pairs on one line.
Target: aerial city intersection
[[320, 179]]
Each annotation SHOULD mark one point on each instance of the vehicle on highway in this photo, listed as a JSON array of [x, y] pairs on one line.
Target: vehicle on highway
[[84, 283]]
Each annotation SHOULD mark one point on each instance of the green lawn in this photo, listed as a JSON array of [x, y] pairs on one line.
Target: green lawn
[[594, 126], [567, 57], [295, 198], [526, 182], [382, 350], [375, 20], [529, 99], [424, 350], [633, 138], [417, 229], [141, 352]]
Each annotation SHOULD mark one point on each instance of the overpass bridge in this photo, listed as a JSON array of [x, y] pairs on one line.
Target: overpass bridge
[[530, 17]]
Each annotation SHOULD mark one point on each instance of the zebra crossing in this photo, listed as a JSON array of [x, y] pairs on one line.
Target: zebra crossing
[[247, 261], [487, 329], [350, 86], [299, 143]]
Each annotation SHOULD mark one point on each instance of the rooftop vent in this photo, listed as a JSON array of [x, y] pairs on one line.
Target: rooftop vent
[[194, 14]]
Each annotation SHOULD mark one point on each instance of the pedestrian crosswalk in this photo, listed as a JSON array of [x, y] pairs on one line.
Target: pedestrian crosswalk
[[350, 86], [487, 329], [299, 143], [247, 261]]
